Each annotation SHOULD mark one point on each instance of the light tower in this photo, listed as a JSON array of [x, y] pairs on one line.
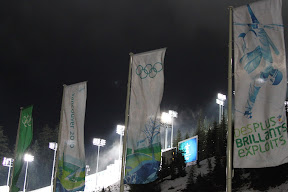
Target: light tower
[[173, 115], [120, 131], [220, 101], [28, 158], [166, 120], [7, 162], [100, 143], [53, 146]]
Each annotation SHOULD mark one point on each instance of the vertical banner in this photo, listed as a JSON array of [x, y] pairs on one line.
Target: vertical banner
[[260, 135], [70, 176], [143, 142], [25, 135]]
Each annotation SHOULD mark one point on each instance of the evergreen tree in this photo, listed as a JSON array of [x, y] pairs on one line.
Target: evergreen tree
[[4, 145], [4, 152], [186, 135], [222, 135], [179, 137], [201, 138], [191, 182], [43, 161], [210, 142]]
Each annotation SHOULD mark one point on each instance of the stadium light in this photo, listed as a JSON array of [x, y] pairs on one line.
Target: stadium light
[[120, 131], [28, 158], [7, 162], [220, 101], [100, 143], [173, 115], [53, 146], [166, 120]]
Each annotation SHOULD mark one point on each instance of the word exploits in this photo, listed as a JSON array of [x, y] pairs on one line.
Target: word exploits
[[255, 138]]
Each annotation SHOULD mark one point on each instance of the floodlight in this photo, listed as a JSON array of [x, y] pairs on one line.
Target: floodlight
[[166, 118], [52, 145], [173, 113], [7, 162], [120, 129], [28, 158], [219, 102], [221, 97]]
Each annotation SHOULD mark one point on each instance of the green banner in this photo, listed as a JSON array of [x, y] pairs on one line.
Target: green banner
[[25, 134]]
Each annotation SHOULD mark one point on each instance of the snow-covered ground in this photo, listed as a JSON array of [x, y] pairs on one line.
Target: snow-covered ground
[[177, 184]]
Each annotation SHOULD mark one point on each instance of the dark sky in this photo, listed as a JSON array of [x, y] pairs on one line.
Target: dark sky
[[45, 44]]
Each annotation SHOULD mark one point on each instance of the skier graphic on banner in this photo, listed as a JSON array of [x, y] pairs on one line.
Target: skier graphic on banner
[[258, 52]]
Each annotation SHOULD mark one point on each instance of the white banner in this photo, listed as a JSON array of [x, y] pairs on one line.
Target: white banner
[[71, 161], [143, 142], [260, 134]]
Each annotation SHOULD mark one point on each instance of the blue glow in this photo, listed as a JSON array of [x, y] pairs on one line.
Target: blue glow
[[189, 147]]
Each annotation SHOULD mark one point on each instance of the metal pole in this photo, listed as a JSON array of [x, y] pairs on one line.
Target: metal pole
[[25, 177], [52, 177], [97, 168], [9, 173], [229, 137], [126, 125], [120, 146], [166, 137], [219, 113], [172, 132]]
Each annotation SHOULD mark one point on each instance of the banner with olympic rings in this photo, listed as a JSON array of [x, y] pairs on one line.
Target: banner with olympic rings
[[143, 155], [260, 133]]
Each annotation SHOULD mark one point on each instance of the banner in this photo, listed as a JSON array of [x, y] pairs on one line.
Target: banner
[[70, 176], [25, 135], [143, 142], [260, 135]]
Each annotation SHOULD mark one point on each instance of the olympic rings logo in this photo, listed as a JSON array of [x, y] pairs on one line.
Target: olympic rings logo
[[150, 70]]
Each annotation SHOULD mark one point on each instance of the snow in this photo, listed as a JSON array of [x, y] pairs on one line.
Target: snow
[[179, 184]]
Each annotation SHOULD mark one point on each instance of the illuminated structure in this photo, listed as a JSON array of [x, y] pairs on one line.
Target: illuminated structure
[[7, 162], [120, 131], [166, 120], [173, 115], [53, 146], [220, 101], [190, 149], [100, 143], [28, 158]]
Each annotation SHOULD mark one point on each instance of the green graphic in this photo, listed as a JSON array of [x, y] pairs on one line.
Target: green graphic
[[70, 177], [149, 70], [24, 140]]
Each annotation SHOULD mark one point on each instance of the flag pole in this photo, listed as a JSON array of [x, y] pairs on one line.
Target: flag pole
[[15, 150], [126, 125], [58, 142], [229, 137]]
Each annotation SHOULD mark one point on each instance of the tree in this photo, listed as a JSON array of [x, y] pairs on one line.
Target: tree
[[191, 182], [151, 130], [211, 141], [186, 135], [201, 138], [4, 152], [179, 137], [4, 145]]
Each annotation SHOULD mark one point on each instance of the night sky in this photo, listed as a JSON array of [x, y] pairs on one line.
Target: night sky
[[45, 44]]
